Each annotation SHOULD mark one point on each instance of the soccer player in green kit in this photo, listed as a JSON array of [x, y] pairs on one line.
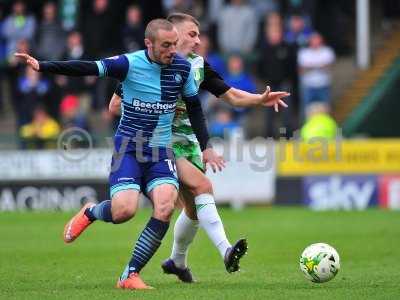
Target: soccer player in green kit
[[196, 193]]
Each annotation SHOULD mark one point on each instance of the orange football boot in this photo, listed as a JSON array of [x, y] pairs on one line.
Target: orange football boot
[[77, 224], [133, 282]]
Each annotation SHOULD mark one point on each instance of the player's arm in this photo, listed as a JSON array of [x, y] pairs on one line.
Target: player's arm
[[198, 123], [199, 126], [214, 83], [197, 120], [116, 67], [114, 106]]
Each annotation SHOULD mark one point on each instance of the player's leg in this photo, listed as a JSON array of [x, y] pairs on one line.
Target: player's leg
[[187, 224], [124, 206], [120, 209], [201, 188], [163, 198], [162, 187], [185, 229], [124, 186]]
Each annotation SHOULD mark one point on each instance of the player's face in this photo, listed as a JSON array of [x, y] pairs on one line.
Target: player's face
[[189, 37], [164, 46]]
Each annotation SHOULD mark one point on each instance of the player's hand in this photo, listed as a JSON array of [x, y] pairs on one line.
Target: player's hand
[[274, 98], [211, 158], [29, 60]]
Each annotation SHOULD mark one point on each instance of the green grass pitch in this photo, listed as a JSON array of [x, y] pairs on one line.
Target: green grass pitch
[[36, 264]]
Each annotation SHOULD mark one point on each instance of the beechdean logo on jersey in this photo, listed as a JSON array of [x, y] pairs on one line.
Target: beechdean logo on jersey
[[153, 107], [178, 78]]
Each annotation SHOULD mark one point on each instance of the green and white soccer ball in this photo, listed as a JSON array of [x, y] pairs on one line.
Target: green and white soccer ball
[[319, 262]]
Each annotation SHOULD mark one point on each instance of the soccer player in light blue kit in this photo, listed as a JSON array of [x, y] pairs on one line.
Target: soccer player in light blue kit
[[151, 81]]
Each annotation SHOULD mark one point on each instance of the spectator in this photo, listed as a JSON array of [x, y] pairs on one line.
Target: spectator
[[32, 91], [196, 8], [14, 69], [177, 5], [74, 51], [214, 7], [264, 7], [205, 49], [41, 133], [298, 7], [68, 13], [133, 31], [50, 35], [101, 38], [151, 9], [2, 59], [83, 88], [14, 65], [98, 30], [2, 41], [223, 124], [270, 20], [276, 66], [319, 123], [298, 32], [238, 77], [273, 19], [237, 28], [18, 26], [314, 64], [71, 114]]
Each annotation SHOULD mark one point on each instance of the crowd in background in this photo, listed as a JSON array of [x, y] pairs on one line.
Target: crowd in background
[[251, 43]]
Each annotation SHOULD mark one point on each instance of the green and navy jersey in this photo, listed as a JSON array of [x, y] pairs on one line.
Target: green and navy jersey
[[149, 93], [205, 78], [181, 128]]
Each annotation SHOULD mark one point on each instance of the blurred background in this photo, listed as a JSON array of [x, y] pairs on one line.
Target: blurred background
[[339, 59]]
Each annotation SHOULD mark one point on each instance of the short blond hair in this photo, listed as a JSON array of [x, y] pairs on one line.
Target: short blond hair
[[176, 18], [155, 25]]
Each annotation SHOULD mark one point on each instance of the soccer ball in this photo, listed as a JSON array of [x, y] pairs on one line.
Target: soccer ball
[[319, 262]]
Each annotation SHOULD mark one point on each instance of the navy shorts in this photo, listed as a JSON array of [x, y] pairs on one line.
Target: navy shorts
[[141, 171]]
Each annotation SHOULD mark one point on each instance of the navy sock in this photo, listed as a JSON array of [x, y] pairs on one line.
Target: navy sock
[[101, 211], [147, 244]]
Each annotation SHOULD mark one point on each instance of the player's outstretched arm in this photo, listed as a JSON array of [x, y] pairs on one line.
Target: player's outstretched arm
[[69, 68], [241, 98], [116, 67], [214, 84]]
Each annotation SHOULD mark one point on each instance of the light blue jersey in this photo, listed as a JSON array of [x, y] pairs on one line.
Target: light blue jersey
[[149, 94]]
